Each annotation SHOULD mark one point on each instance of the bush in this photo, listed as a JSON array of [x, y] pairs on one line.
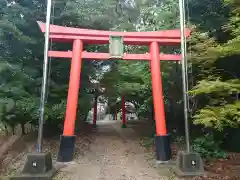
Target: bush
[[208, 148], [54, 115]]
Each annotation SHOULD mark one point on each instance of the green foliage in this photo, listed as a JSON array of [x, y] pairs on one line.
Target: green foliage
[[208, 147], [208, 15], [21, 54], [217, 78], [224, 88], [160, 16], [219, 117]]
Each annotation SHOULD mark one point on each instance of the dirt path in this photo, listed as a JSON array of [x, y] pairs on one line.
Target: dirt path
[[113, 154]]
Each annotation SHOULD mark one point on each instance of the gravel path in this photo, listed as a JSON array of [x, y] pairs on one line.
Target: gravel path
[[111, 153]]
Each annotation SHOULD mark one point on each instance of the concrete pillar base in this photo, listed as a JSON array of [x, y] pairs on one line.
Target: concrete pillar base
[[37, 166], [189, 164]]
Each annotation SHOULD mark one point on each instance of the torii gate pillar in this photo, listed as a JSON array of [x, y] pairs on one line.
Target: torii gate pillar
[[68, 139], [162, 139]]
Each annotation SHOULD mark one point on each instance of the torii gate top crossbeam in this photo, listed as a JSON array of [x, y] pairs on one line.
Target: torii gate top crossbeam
[[68, 34]]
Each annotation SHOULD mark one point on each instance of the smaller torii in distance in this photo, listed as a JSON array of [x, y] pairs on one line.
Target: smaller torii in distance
[[78, 37]]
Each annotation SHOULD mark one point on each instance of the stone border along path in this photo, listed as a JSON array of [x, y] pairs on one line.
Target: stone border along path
[[112, 154]]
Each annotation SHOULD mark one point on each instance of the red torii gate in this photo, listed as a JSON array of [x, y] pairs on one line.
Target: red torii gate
[[78, 37]]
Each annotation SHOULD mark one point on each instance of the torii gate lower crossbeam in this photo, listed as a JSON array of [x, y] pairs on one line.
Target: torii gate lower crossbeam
[[151, 39]]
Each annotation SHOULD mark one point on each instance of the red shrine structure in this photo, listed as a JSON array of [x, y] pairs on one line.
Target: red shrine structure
[[79, 37]]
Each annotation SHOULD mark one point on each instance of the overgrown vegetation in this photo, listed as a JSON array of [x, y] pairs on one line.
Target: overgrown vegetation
[[208, 147]]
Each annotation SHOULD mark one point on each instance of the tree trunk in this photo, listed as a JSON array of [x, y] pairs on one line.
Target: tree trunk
[[13, 129], [6, 129], [152, 114], [23, 128]]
